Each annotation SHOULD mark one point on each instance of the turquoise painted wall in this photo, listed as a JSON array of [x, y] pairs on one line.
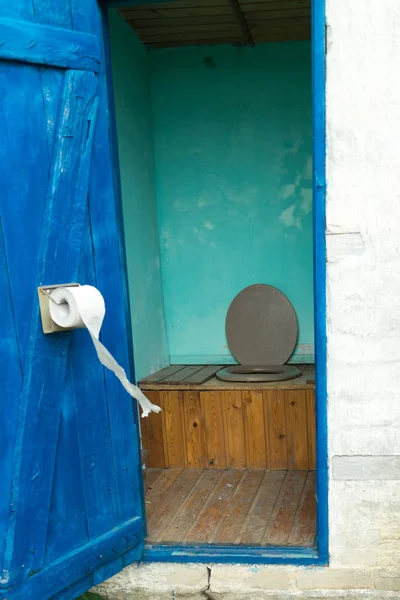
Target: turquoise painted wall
[[131, 78], [232, 140]]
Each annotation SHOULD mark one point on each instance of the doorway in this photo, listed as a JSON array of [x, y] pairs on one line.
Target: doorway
[[218, 451]]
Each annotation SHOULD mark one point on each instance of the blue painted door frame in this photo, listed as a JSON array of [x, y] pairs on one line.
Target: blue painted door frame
[[300, 556]]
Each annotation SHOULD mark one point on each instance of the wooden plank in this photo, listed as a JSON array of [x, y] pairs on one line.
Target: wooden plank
[[296, 426], [225, 429], [26, 120], [39, 410], [74, 565], [27, 42], [141, 24], [304, 527], [106, 226], [174, 13], [275, 428], [173, 434], [266, 28], [155, 7], [170, 503], [156, 493], [60, 13], [99, 484], [279, 24], [260, 512], [213, 415], [244, 28], [20, 10], [206, 523], [155, 434], [182, 374], [275, 10], [72, 492], [215, 384], [87, 20], [192, 42], [160, 375], [152, 476], [191, 507], [311, 429], [275, 4], [254, 430], [33, 166], [179, 5], [156, 33], [236, 512], [206, 373], [194, 431], [12, 368], [261, 16], [234, 430], [280, 525], [283, 34]]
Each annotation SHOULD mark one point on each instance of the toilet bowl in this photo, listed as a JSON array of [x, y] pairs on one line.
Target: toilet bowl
[[257, 374], [261, 330]]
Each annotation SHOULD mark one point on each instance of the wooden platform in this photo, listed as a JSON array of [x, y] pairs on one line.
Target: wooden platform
[[206, 423], [231, 506], [196, 377]]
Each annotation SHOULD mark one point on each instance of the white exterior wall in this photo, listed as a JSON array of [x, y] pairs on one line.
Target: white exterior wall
[[363, 255]]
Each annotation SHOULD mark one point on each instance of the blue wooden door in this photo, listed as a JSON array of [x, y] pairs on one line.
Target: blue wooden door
[[71, 505]]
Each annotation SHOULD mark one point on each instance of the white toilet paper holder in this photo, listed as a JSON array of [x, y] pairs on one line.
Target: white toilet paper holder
[[44, 293]]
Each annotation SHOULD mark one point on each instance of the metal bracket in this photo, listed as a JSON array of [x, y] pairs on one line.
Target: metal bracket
[[44, 293]]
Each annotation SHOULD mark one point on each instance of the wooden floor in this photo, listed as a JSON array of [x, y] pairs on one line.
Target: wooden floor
[[231, 506]]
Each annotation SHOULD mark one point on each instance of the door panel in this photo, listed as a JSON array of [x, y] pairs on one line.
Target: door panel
[[71, 503]]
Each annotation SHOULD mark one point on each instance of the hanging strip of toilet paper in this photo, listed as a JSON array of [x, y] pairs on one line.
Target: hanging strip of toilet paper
[[83, 307]]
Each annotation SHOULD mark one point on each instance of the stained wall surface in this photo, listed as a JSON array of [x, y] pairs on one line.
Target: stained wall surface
[[131, 80], [232, 141]]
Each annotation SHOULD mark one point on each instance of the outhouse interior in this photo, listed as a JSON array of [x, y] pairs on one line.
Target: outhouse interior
[[213, 107]]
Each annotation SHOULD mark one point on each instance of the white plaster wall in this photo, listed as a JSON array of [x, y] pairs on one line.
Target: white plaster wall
[[363, 256], [363, 200]]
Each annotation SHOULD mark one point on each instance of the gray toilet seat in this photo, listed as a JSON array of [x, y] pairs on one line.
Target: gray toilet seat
[[261, 326], [258, 374], [261, 331]]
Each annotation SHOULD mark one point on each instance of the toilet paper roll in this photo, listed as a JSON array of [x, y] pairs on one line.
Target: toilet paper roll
[[84, 307]]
